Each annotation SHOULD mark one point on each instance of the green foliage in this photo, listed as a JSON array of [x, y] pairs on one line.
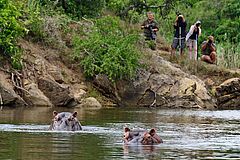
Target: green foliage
[[108, 50], [116, 5], [78, 8], [11, 28], [34, 22], [46, 24], [219, 18]]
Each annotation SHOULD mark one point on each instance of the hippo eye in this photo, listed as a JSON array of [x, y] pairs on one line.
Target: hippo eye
[[58, 119], [70, 118]]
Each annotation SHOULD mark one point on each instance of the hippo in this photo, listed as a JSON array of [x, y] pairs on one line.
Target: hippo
[[65, 121], [141, 137]]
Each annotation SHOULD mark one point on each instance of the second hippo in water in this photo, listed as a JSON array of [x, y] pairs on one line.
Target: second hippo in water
[[65, 121], [141, 137]]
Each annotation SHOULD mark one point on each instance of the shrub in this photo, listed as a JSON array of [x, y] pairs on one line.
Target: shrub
[[78, 8], [45, 24], [108, 50], [11, 29]]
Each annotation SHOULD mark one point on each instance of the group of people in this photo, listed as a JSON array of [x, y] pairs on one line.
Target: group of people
[[141, 136], [181, 38]]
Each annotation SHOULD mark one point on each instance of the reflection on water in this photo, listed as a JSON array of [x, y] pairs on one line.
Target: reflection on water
[[187, 134]]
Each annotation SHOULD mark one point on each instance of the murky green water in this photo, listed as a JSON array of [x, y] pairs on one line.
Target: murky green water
[[187, 134]]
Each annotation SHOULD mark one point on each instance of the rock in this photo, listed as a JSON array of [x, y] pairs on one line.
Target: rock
[[79, 95], [56, 73], [209, 82], [8, 95], [90, 102], [228, 94], [58, 94], [163, 85], [36, 96]]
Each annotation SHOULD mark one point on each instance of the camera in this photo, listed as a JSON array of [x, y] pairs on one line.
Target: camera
[[210, 41], [148, 26], [180, 18]]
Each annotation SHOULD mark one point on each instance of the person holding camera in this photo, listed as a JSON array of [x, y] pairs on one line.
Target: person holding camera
[[192, 38], [150, 27], [179, 34], [209, 53]]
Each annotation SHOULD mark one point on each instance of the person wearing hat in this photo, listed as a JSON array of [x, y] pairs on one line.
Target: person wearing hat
[[209, 53], [179, 35], [150, 27], [192, 38]]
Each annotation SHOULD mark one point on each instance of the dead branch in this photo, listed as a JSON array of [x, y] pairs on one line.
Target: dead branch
[[16, 81], [4, 70]]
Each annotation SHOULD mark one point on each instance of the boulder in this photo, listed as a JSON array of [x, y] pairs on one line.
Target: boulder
[[90, 102], [228, 94], [58, 94], [35, 96], [56, 73], [8, 96], [78, 96]]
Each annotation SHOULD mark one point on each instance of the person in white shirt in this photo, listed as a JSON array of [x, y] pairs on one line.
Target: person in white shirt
[[192, 38]]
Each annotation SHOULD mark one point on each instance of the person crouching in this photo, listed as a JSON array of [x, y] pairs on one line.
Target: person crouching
[[209, 51]]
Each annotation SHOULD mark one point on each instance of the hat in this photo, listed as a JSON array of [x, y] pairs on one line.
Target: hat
[[198, 22]]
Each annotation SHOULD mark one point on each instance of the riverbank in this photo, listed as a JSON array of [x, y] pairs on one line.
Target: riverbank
[[50, 77]]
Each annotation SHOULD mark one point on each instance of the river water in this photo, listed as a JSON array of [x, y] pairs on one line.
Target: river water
[[187, 134]]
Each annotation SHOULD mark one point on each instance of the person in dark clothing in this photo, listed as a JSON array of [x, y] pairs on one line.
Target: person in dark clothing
[[209, 53], [179, 34], [150, 27]]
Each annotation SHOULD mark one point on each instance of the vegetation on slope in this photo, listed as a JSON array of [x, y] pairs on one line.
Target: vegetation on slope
[[219, 18], [104, 44]]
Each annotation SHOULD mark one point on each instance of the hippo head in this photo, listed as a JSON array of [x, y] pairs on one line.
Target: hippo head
[[65, 121], [147, 139]]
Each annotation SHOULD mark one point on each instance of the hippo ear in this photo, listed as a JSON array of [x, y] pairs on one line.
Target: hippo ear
[[74, 114], [55, 113]]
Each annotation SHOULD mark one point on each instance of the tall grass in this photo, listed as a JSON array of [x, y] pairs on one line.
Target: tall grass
[[228, 55]]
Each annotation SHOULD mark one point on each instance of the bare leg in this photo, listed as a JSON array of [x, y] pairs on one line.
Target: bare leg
[[195, 49], [206, 58], [213, 57], [173, 52], [190, 49], [182, 53]]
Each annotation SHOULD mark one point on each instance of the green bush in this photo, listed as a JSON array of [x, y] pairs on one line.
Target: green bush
[[34, 21], [45, 24], [78, 8], [11, 28], [108, 50]]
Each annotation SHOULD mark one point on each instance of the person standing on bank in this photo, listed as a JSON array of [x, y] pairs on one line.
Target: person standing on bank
[[209, 51], [150, 27], [179, 35], [192, 39]]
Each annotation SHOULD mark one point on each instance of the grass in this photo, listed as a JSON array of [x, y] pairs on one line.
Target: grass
[[217, 73]]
